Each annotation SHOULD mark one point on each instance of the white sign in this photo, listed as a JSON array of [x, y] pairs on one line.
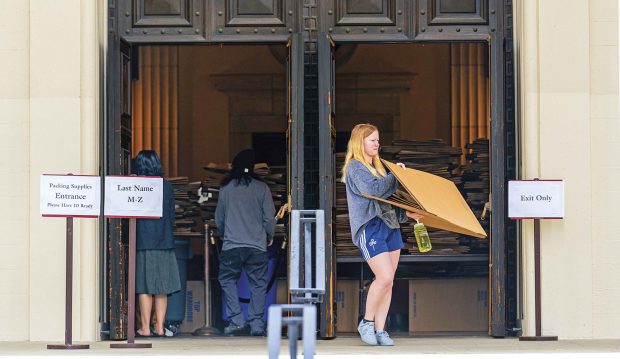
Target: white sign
[[536, 199], [70, 196], [133, 197]]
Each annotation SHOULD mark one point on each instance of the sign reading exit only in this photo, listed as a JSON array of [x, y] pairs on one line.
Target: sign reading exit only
[[536, 199], [133, 196]]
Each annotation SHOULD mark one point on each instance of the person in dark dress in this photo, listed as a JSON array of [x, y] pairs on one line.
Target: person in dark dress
[[157, 272]]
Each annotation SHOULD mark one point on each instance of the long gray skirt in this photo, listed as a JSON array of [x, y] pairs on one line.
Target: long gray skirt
[[157, 272]]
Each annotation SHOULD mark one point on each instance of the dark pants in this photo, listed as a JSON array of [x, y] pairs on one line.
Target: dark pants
[[255, 263]]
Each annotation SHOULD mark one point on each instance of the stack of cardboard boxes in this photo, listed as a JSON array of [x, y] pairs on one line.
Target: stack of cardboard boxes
[[448, 305], [434, 305]]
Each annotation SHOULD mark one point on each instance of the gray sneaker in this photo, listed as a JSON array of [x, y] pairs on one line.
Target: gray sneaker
[[383, 338], [367, 332], [257, 331]]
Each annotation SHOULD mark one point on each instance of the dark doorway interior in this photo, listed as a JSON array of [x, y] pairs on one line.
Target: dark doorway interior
[[198, 106], [270, 148], [430, 103]]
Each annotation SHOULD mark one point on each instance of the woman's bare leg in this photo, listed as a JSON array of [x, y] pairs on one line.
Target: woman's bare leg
[[161, 303], [380, 290], [394, 258], [146, 303], [384, 305]]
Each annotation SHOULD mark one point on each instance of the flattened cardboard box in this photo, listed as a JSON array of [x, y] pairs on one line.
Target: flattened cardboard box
[[448, 305], [436, 198]]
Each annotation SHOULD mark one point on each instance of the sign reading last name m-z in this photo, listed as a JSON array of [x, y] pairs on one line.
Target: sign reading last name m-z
[[536, 199], [70, 196], [133, 197]]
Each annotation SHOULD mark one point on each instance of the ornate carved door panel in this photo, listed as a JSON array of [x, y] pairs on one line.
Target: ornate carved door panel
[[274, 20], [454, 20], [407, 20], [252, 20], [162, 20], [207, 20], [366, 20]]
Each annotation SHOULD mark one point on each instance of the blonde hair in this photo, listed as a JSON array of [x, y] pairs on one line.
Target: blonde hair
[[355, 151]]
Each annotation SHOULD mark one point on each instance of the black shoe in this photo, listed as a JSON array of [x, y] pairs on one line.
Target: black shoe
[[234, 329], [138, 335], [155, 334]]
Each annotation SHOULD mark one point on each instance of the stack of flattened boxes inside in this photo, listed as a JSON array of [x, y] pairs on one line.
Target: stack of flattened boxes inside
[[436, 157], [430, 301]]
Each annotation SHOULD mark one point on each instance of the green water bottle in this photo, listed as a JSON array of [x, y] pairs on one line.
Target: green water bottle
[[421, 236]]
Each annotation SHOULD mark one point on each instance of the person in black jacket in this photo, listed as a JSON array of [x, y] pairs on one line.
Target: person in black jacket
[[157, 273]]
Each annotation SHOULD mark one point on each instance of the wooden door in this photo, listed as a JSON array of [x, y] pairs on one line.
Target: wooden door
[[327, 173], [118, 162], [295, 110]]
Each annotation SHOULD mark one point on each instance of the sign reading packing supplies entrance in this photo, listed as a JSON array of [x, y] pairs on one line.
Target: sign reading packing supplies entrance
[[536, 199], [70, 196], [133, 197]]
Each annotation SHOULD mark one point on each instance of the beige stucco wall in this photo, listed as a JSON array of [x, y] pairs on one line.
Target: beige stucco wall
[[14, 170], [49, 118], [605, 165], [568, 73]]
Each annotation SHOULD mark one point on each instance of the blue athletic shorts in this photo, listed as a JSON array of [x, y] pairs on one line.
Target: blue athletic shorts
[[378, 238]]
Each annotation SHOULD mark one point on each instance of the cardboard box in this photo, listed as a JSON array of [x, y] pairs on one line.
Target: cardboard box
[[436, 198], [448, 305], [194, 307], [346, 310]]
